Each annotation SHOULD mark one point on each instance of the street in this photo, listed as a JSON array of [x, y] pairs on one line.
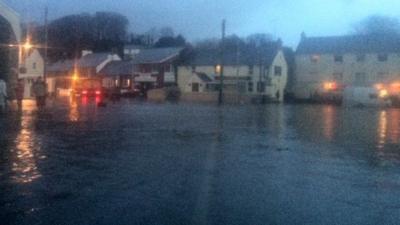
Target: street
[[135, 162]]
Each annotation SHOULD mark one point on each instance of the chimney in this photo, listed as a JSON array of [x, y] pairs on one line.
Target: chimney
[[280, 43], [303, 36], [86, 52]]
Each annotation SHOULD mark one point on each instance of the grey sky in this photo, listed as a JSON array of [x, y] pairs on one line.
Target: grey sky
[[197, 19]]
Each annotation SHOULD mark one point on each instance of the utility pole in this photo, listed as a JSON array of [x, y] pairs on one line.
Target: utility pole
[[221, 73], [46, 37]]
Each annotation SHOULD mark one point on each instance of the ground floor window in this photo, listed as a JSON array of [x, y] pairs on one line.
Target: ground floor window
[[250, 87], [261, 86], [360, 79], [195, 87]]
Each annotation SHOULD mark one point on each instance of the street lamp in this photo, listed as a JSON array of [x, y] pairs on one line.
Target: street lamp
[[27, 46]]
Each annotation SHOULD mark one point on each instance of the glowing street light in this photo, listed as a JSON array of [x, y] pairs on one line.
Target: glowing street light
[[75, 77], [27, 46]]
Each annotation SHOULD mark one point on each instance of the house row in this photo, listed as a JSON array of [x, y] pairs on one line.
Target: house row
[[143, 69], [325, 66], [262, 73]]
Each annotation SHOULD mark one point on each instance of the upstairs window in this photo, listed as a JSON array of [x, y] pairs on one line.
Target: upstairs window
[[251, 69], [278, 71], [193, 68], [338, 58], [34, 66], [382, 57]]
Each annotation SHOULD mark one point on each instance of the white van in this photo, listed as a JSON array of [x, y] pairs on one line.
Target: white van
[[365, 96]]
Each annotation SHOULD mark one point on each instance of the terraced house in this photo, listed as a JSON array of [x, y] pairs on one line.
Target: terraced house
[[327, 65], [251, 74]]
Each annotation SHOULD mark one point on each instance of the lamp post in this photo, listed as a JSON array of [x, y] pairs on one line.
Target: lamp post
[[221, 70]]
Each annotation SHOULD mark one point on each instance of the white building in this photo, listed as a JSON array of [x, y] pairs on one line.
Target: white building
[[245, 73], [32, 68]]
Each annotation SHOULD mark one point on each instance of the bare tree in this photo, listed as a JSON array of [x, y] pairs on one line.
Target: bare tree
[[378, 25]]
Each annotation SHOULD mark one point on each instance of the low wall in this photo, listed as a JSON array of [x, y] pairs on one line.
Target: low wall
[[158, 95], [207, 97]]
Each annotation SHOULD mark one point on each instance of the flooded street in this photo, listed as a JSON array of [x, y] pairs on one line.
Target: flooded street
[[145, 163]]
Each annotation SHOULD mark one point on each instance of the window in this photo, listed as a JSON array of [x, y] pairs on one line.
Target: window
[[260, 86], [338, 58], [382, 76], [360, 79], [193, 68], [382, 57], [34, 66], [251, 69], [315, 58], [338, 76], [250, 87], [360, 57], [195, 87], [278, 71]]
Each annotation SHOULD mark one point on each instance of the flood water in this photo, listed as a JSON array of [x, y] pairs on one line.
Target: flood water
[[146, 163]]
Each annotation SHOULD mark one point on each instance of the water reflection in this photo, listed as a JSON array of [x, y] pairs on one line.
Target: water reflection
[[388, 128], [73, 110], [24, 165], [329, 121], [394, 127], [382, 129]]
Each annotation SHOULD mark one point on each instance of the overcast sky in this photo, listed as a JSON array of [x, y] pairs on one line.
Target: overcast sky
[[197, 19]]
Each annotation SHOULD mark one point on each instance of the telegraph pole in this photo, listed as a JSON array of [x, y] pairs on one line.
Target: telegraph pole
[[46, 37], [221, 73]]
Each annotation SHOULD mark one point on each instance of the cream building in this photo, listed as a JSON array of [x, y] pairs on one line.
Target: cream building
[[329, 64], [246, 74]]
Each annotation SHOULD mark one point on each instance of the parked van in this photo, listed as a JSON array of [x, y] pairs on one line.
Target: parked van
[[365, 96]]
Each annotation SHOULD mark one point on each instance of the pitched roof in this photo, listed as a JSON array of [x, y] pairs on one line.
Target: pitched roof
[[116, 68], [349, 44], [93, 59], [156, 55], [247, 56], [204, 77], [61, 66], [134, 47]]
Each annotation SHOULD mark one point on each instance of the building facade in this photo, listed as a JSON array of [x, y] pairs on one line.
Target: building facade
[[327, 65], [244, 74], [32, 67]]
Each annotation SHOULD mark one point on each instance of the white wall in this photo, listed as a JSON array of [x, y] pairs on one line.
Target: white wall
[[278, 83]]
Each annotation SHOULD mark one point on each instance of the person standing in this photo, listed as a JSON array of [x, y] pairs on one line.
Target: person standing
[[19, 93], [40, 91], [3, 95]]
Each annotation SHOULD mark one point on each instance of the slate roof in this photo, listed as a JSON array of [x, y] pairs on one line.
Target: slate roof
[[155, 55], [116, 68], [349, 44], [248, 56], [204, 77], [93, 59], [61, 66]]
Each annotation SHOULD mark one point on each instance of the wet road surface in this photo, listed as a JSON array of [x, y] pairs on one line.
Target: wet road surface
[[144, 163]]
